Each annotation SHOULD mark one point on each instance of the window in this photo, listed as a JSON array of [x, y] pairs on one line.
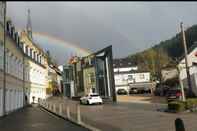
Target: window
[[33, 54], [141, 76], [91, 78], [130, 77], [1, 55], [30, 52], [7, 62]]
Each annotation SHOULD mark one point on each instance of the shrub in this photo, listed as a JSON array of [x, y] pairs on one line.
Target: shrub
[[191, 103], [176, 106]]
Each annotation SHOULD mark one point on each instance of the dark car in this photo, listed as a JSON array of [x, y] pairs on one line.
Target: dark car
[[133, 91], [174, 94], [140, 90], [122, 92], [147, 90], [161, 90]]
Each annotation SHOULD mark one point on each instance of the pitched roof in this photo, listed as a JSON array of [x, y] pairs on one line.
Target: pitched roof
[[123, 62], [189, 50]]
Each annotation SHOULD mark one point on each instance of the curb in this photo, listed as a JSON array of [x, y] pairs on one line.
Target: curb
[[82, 124]]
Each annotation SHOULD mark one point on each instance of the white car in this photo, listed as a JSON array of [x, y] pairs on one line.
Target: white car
[[92, 98]]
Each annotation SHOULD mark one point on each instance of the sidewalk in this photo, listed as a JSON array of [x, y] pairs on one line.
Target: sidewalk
[[116, 117]]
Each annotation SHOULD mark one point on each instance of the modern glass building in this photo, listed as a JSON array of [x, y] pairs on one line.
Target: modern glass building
[[93, 74]]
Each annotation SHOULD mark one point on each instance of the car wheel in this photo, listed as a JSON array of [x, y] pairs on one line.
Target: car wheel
[[87, 102]]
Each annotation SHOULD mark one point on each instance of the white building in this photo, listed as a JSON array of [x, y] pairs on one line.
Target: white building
[[35, 69], [14, 71], [126, 74], [169, 73], [192, 64]]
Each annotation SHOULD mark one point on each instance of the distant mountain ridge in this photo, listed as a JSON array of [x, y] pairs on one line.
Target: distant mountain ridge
[[165, 54], [174, 47]]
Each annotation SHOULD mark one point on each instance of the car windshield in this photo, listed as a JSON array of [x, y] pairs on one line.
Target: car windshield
[[174, 91]]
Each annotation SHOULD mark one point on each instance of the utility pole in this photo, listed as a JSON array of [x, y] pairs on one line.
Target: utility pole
[[4, 58], [186, 60]]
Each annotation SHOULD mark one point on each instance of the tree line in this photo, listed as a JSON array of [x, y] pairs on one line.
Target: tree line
[[165, 53]]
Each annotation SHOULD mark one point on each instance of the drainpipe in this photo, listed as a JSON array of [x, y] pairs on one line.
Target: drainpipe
[[4, 61]]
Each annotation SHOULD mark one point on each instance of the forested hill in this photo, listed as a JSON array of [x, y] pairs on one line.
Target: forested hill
[[163, 54], [174, 47]]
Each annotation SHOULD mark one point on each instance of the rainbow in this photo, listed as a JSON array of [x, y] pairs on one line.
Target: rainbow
[[62, 42]]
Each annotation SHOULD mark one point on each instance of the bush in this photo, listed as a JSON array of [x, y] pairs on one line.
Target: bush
[[176, 106], [191, 103]]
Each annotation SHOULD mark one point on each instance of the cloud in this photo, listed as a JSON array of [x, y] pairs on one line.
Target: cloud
[[127, 26]]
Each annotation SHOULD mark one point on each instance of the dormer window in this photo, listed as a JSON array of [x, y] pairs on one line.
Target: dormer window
[[26, 50]]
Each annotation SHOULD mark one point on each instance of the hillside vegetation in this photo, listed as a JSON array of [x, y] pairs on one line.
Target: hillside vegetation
[[164, 54]]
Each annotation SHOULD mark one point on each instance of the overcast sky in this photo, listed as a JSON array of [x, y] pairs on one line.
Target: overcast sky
[[127, 26]]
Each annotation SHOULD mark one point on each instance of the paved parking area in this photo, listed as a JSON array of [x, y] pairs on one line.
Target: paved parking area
[[141, 98], [124, 116]]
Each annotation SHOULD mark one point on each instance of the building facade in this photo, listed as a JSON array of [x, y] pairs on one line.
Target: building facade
[[54, 80], [13, 72], [93, 74], [127, 75], [24, 69], [192, 64], [35, 69]]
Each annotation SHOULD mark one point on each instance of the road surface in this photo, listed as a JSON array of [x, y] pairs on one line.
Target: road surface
[[36, 119]]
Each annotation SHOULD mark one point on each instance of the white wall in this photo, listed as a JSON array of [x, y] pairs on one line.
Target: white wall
[[122, 80], [14, 99], [37, 76], [169, 73], [191, 58], [140, 77]]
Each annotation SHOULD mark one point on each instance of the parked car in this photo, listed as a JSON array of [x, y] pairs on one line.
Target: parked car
[[133, 90], [142, 90], [161, 90], [91, 98], [147, 90], [174, 94], [122, 92]]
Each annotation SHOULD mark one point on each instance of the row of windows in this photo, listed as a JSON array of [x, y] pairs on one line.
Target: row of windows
[[14, 66], [33, 54], [35, 75], [15, 36]]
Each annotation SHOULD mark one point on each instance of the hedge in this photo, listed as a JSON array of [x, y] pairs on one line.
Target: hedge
[[191, 103], [179, 106], [176, 106]]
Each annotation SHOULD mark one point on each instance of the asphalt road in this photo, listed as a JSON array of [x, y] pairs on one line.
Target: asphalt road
[[35, 119]]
